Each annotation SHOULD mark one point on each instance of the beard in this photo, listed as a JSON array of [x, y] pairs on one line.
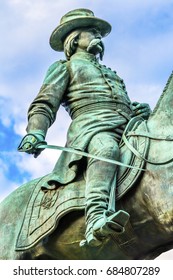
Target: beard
[[96, 47]]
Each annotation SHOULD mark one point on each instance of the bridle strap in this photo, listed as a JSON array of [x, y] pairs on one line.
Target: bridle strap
[[151, 136], [137, 154]]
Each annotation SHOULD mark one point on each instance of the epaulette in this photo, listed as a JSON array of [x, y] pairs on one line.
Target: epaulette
[[62, 61]]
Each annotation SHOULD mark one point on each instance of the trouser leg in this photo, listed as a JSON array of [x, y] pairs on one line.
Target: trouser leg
[[100, 179], [97, 193]]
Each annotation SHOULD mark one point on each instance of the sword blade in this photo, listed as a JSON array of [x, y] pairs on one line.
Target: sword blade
[[84, 154]]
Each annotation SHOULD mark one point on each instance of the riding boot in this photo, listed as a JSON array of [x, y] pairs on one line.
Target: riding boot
[[101, 218]]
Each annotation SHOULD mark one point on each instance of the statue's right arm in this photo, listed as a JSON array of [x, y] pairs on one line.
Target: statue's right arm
[[42, 111]]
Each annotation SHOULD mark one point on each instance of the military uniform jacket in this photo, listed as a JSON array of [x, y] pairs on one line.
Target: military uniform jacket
[[95, 98]]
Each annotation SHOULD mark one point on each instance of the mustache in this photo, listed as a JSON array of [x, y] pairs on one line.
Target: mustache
[[96, 44]]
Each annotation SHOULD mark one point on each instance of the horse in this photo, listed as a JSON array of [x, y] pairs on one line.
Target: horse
[[149, 203]]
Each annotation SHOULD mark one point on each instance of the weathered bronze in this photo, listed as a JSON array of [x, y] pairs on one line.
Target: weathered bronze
[[97, 101]]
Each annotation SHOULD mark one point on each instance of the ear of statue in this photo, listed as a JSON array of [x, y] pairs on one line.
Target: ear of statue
[[73, 45], [75, 42]]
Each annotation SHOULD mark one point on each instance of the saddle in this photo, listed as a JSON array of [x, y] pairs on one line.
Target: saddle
[[127, 177], [45, 209]]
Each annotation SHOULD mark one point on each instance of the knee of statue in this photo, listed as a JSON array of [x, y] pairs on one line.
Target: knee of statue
[[103, 144], [112, 151]]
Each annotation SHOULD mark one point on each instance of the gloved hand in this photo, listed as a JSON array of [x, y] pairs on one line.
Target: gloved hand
[[141, 109], [31, 142]]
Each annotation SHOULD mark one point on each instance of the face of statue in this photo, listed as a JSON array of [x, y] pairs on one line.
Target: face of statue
[[90, 41]]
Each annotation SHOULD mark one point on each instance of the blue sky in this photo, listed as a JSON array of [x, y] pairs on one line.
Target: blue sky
[[139, 48]]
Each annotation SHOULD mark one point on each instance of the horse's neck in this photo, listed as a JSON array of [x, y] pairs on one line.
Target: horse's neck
[[161, 120]]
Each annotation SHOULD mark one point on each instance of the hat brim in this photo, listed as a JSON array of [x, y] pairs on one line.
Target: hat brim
[[59, 34]]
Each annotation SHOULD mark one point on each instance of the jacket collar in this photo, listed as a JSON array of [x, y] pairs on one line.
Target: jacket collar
[[85, 56]]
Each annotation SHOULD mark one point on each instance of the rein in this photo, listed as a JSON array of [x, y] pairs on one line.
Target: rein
[[150, 136]]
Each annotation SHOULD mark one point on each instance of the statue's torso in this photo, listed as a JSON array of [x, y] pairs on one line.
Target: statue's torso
[[92, 83]]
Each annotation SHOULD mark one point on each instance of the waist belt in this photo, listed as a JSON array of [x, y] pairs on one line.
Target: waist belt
[[119, 107]]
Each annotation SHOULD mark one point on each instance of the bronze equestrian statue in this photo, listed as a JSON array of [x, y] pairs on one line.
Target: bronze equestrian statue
[[97, 101]]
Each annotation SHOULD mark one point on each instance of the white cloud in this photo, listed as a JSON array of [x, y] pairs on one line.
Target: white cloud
[[40, 166], [6, 186]]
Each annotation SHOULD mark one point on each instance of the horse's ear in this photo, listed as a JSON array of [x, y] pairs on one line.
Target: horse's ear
[[169, 82], [168, 90]]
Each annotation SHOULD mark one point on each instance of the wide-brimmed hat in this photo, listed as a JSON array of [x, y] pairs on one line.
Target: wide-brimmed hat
[[74, 20]]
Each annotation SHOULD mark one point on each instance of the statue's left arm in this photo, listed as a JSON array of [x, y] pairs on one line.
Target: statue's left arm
[[141, 109]]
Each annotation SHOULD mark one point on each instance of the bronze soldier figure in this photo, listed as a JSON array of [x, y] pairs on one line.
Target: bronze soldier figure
[[97, 101]]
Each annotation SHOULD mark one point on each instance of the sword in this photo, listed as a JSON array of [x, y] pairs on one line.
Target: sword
[[88, 155]]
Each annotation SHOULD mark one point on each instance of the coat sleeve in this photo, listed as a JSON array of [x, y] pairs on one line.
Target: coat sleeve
[[42, 111]]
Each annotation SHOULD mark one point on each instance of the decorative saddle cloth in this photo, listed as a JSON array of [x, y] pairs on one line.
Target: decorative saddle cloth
[[46, 208]]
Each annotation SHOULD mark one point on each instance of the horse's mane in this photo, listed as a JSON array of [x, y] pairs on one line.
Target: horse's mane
[[163, 93]]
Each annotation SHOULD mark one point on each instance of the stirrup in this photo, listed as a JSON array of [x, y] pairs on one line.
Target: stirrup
[[114, 223], [105, 226]]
